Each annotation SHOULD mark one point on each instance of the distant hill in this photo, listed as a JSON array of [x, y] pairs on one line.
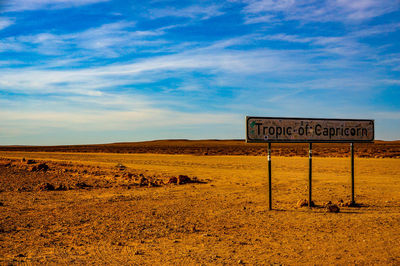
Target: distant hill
[[384, 149]]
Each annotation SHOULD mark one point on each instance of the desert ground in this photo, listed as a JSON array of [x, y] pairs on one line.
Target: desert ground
[[197, 203]]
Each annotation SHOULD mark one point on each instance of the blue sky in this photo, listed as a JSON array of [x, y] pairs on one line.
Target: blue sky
[[98, 71]]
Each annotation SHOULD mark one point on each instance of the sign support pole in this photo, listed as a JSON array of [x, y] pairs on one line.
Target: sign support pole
[[309, 173], [269, 176], [352, 173]]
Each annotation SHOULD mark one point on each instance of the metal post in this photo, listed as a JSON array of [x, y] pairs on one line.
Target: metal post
[[352, 173], [309, 174], [269, 176]]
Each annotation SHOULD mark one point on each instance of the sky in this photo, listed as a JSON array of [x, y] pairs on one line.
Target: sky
[[102, 71]]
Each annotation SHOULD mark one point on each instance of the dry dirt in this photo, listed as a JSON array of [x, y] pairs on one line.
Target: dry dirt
[[107, 208]]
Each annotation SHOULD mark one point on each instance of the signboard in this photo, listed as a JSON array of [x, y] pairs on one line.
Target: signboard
[[280, 129]]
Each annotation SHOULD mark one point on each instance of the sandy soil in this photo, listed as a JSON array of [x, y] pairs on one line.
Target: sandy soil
[[221, 219]]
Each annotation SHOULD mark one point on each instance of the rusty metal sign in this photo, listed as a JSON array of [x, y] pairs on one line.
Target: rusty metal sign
[[280, 129]]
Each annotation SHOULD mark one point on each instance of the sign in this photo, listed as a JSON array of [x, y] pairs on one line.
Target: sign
[[280, 129]]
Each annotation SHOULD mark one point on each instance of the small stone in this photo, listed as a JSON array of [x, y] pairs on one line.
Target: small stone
[[304, 203], [332, 208], [172, 180], [61, 187], [143, 181], [137, 252], [183, 179], [42, 167], [46, 187], [82, 185]]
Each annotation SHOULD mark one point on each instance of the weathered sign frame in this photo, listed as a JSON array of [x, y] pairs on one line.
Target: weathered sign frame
[[249, 140], [309, 141]]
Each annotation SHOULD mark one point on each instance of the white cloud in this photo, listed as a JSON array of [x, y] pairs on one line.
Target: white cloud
[[11, 44], [288, 38], [322, 11], [193, 12], [376, 30], [91, 80], [23, 5], [109, 40], [268, 5], [339, 45], [349, 44], [6, 22], [365, 9]]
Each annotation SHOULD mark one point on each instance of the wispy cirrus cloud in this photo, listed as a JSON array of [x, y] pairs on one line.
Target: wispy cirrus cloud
[[6, 22], [317, 11], [108, 40], [193, 12], [89, 80], [348, 44], [26, 5]]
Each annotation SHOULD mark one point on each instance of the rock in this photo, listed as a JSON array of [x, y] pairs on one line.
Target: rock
[[120, 167], [183, 179], [42, 167], [194, 229], [304, 203], [46, 187], [172, 180], [22, 189], [61, 187], [349, 203], [152, 184], [82, 185], [332, 208], [143, 181], [128, 175]]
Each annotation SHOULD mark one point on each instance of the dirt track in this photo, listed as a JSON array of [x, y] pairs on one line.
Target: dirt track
[[224, 220]]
